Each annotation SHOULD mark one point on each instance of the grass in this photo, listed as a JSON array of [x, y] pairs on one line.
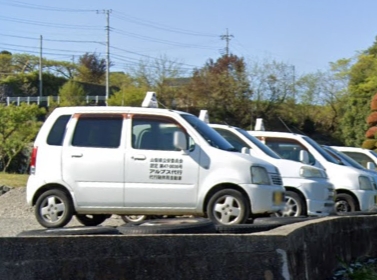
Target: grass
[[13, 180]]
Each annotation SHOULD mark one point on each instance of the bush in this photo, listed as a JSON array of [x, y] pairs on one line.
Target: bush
[[369, 144], [372, 119], [371, 132]]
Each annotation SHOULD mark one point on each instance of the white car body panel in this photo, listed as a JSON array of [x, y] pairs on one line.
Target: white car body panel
[[342, 177]]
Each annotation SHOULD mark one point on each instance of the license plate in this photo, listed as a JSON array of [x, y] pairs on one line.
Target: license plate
[[278, 197]]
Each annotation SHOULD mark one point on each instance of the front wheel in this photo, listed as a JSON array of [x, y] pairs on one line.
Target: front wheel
[[91, 220], [294, 206], [228, 207], [344, 203], [54, 209]]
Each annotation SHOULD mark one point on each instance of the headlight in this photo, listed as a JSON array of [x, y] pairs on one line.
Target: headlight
[[365, 183], [259, 176], [310, 172]]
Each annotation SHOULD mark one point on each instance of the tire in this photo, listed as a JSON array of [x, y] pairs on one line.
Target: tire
[[53, 209], [344, 203], [69, 231], [91, 220], [134, 218], [246, 228], [175, 225], [294, 206], [228, 207]]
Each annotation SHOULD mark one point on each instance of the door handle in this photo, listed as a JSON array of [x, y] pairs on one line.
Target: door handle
[[139, 157], [77, 155]]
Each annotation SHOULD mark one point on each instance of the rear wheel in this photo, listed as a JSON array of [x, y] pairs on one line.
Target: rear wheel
[[133, 218], [228, 207], [344, 203], [54, 209], [91, 220]]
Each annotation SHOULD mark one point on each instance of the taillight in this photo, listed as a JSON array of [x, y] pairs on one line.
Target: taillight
[[33, 160]]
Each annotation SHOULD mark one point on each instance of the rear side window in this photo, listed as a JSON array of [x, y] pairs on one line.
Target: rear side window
[[56, 135], [98, 131]]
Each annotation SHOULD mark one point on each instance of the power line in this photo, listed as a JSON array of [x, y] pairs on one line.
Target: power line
[[19, 4], [47, 24], [160, 26]]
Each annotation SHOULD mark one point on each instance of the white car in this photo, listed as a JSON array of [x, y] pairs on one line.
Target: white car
[[365, 157], [308, 190], [355, 189], [93, 162]]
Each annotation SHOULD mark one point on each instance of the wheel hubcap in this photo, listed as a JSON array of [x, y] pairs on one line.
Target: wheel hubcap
[[291, 208], [228, 210], [342, 206], [52, 209]]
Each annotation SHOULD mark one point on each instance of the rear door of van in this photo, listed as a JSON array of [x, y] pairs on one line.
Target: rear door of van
[[93, 159]]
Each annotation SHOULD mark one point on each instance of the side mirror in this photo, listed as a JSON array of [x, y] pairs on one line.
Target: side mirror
[[304, 157], [371, 165], [180, 140]]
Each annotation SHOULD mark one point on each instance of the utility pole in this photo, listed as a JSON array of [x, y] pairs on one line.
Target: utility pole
[[107, 12], [40, 68], [226, 37]]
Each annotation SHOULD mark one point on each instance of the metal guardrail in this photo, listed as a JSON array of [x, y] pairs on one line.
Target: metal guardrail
[[48, 99]]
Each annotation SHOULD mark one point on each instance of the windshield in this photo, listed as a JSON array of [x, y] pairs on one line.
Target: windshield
[[320, 150], [373, 153], [209, 134], [344, 158], [259, 144]]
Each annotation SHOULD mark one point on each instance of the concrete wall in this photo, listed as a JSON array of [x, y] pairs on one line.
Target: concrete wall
[[306, 250]]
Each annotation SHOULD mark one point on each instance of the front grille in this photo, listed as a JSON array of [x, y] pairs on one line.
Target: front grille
[[276, 179]]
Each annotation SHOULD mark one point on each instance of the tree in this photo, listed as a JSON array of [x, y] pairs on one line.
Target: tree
[[160, 75], [18, 127], [272, 84], [371, 134], [362, 87], [128, 96], [5, 64], [91, 69], [72, 94], [222, 87]]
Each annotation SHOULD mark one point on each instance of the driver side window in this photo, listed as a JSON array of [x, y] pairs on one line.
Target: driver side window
[[155, 133]]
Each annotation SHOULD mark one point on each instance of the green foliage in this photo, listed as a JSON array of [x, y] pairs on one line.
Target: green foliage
[[369, 144], [362, 87], [128, 96], [222, 87], [72, 94], [18, 127]]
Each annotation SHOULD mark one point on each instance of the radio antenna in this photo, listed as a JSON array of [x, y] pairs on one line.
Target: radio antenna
[[285, 125]]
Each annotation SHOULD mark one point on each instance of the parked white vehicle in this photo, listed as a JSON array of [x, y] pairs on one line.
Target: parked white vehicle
[[355, 189], [93, 162], [365, 157], [308, 190]]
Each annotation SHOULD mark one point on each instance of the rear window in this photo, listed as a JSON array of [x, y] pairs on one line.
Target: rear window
[[56, 135], [98, 131]]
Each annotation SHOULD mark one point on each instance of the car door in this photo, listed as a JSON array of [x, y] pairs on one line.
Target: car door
[[93, 160], [158, 174]]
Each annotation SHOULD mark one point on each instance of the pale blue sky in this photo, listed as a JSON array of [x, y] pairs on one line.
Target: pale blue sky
[[303, 33]]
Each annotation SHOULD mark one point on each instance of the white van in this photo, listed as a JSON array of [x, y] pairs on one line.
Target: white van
[[355, 189], [93, 162], [308, 190], [365, 157]]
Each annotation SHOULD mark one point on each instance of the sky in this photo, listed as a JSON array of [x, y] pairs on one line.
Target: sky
[[307, 34]]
